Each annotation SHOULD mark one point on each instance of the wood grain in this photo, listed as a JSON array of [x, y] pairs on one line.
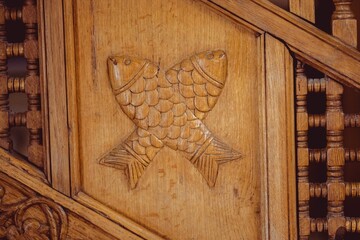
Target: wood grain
[[303, 8], [281, 164], [56, 92], [36, 185], [309, 43], [31, 216], [169, 178], [168, 109]]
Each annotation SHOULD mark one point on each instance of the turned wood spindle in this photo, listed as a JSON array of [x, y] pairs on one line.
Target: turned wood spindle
[[316, 85], [335, 157], [352, 155], [13, 14], [302, 127], [352, 225], [16, 84], [17, 119], [318, 190], [317, 120], [5, 141], [352, 120], [352, 189], [317, 155], [318, 225], [32, 83], [344, 23]]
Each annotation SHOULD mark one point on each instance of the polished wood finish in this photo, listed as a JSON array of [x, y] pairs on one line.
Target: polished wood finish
[[30, 84], [55, 69], [168, 109], [305, 40], [28, 215], [175, 120], [303, 8]]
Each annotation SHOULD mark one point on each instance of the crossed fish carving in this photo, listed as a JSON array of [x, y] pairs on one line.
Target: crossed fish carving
[[168, 109]]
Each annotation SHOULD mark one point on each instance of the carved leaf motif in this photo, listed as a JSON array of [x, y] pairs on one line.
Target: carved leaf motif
[[15, 223], [167, 108]]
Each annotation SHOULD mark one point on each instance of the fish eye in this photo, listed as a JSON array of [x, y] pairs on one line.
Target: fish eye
[[127, 61], [210, 55]]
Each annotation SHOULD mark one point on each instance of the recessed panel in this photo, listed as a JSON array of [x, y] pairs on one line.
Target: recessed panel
[[169, 98]]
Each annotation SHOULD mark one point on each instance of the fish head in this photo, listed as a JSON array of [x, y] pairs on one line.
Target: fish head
[[213, 64], [123, 70]]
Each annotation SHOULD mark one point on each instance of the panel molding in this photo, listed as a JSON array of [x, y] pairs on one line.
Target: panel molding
[[36, 185]]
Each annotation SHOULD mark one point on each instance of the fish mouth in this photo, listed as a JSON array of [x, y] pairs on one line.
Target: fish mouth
[[120, 81]]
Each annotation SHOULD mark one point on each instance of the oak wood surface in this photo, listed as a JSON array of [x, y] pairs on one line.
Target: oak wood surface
[[170, 183], [36, 185], [309, 43], [303, 8], [173, 198], [26, 209], [280, 134], [56, 93]]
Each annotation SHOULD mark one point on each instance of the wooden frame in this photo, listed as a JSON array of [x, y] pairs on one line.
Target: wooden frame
[[278, 172], [279, 190]]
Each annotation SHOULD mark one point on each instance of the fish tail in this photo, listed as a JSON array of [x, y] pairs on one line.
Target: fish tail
[[133, 156], [210, 155]]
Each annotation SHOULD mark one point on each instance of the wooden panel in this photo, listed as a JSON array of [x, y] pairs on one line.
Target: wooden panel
[[56, 92], [94, 219], [31, 216], [171, 197], [304, 39], [280, 135], [304, 9]]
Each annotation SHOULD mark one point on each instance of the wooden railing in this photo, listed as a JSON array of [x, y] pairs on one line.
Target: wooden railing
[[29, 84], [335, 190]]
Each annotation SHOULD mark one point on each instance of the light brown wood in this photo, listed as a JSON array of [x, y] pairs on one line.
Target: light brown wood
[[303, 8], [37, 185], [308, 42], [280, 164], [169, 120], [168, 109], [344, 23], [19, 202], [148, 203], [56, 93]]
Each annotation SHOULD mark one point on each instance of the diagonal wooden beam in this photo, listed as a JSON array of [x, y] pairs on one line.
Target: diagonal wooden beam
[[314, 47]]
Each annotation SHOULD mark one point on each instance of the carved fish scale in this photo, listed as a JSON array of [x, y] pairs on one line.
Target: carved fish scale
[[167, 110]]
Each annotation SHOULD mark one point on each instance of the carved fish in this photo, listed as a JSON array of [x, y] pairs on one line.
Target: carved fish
[[168, 109]]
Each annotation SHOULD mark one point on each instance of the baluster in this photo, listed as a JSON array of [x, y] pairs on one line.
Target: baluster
[[5, 141], [32, 83], [302, 126], [344, 24], [335, 157]]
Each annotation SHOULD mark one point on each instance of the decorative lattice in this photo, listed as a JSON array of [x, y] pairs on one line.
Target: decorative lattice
[[29, 84]]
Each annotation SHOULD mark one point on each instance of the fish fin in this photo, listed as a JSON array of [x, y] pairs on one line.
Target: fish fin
[[133, 156], [208, 158]]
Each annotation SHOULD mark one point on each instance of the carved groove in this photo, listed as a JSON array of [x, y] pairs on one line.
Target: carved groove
[[17, 224], [167, 109]]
